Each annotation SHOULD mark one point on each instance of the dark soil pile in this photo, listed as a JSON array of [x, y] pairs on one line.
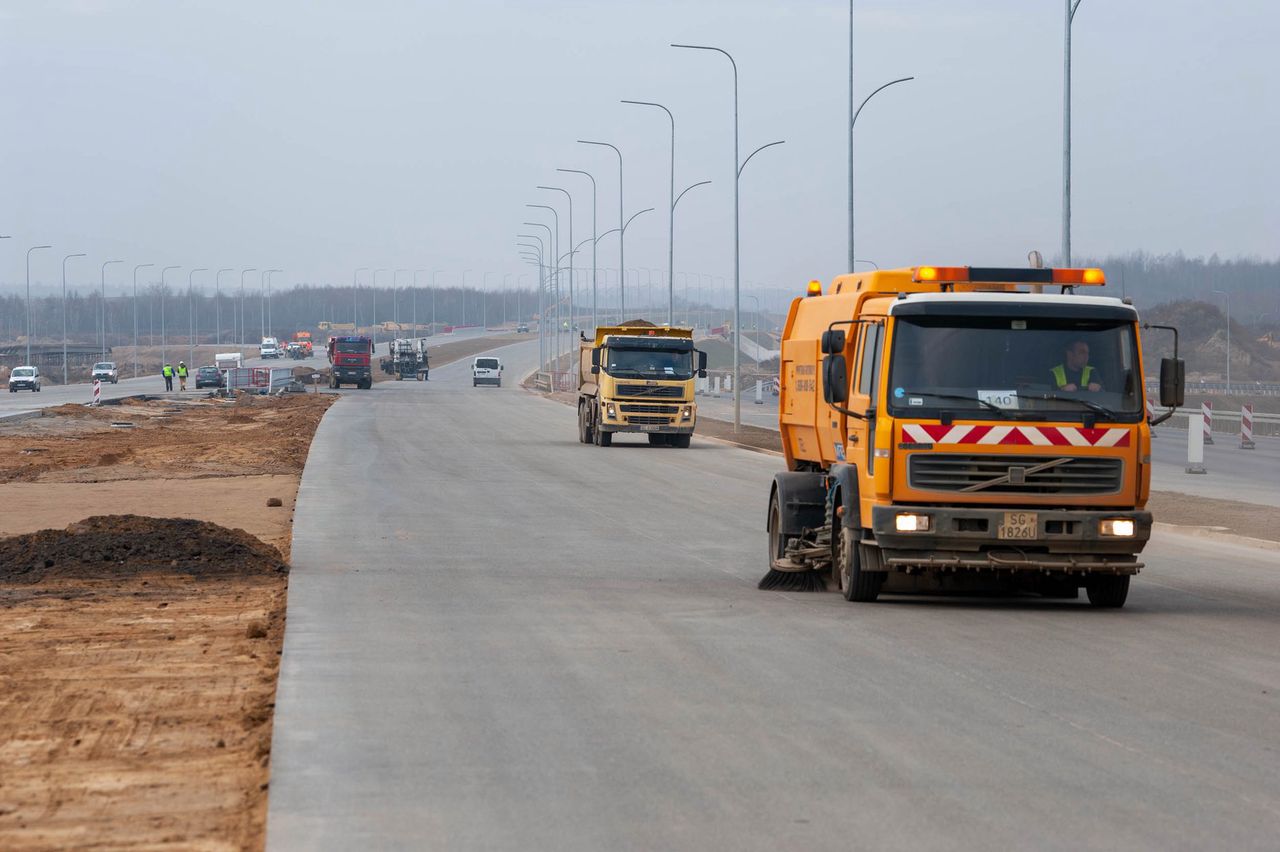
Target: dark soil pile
[[109, 546]]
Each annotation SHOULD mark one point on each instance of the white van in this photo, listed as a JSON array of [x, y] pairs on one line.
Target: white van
[[24, 378], [270, 348], [486, 370]]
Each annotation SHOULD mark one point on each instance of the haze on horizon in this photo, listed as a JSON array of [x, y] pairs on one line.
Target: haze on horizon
[[322, 137]]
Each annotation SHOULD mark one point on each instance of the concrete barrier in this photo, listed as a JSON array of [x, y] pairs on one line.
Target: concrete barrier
[[1195, 447]]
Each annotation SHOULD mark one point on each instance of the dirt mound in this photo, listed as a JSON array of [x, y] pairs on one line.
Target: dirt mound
[[111, 546]]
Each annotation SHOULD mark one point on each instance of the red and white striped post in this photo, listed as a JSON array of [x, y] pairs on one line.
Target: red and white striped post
[[97, 392], [1206, 409], [1246, 427]]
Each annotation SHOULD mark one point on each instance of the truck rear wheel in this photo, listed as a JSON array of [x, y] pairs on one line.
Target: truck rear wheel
[[584, 427], [855, 584], [1107, 591]]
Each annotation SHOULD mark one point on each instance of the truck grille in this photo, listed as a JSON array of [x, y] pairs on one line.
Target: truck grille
[[649, 421], [956, 472], [632, 408], [667, 391]]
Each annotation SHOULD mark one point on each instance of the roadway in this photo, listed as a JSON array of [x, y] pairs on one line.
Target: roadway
[[1252, 476], [25, 402], [501, 639]]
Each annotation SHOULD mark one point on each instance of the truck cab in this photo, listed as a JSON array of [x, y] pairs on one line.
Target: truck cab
[[350, 362], [639, 378], [956, 432]]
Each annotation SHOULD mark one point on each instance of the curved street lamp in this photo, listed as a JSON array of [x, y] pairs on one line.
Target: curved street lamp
[[104, 305], [217, 304], [135, 315], [64, 313], [594, 266], [191, 317], [622, 296], [33, 248], [853, 123]]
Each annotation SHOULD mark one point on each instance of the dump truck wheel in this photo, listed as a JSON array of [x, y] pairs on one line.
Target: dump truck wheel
[[584, 429], [1108, 591], [855, 584], [777, 541], [657, 440], [681, 442]]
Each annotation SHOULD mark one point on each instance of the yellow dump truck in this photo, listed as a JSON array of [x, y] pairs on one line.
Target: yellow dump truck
[[955, 429], [639, 377]]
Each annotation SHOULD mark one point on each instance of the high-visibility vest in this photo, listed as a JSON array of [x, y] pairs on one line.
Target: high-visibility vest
[[1060, 375], [182, 371], [167, 372]]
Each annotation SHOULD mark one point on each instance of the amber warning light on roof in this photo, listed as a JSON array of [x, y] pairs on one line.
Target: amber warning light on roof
[[815, 288], [1016, 275]]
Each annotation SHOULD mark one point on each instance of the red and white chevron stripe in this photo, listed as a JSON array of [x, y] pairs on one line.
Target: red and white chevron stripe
[[1029, 436]]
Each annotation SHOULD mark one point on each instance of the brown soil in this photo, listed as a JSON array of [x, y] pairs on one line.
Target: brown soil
[[139, 656]]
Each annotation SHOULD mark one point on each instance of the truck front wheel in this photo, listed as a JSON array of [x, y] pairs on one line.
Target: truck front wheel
[[681, 442], [856, 584], [1107, 591]]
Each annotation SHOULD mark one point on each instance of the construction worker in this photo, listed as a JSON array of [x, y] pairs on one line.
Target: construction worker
[[182, 375], [167, 372], [1075, 373]]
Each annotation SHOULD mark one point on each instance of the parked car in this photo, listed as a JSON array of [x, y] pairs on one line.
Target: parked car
[[209, 377], [486, 370], [24, 378], [105, 371], [522, 328]]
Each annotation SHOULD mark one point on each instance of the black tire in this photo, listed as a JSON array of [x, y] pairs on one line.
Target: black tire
[[777, 541], [500, 380], [1107, 591], [584, 430], [855, 584], [681, 442], [657, 440]]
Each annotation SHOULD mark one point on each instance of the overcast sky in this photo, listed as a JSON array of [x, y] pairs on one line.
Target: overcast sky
[[323, 136]]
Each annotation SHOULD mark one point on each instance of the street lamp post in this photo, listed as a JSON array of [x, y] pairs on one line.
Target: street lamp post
[[373, 317], [464, 296], [104, 305], [1226, 295], [555, 272], [622, 293], [671, 211], [355, 298], [135, 315], [594, 299], [737, 254], [671, 260], [191, 317], [243, 332], [64, 313], [415, 302], [217, 305], [1070, 6], [163, 339], [268, 324], [570, 197], [395, 302], [853, 123], [33, 248], [541, 248]]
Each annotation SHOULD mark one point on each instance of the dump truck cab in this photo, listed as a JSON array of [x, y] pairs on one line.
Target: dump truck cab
[[639, 377], [945, 428]]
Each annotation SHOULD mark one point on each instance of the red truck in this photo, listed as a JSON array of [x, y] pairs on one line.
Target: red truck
[[349, 362]]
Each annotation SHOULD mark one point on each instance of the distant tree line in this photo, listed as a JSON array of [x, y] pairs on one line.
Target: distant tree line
[[1152, 280], [166, 309]]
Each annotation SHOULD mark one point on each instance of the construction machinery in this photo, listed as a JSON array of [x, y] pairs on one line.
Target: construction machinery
[[406, 359], [956, 429], [638, 377]]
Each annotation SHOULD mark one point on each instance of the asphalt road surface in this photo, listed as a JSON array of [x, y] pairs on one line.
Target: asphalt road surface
[[499, 638]]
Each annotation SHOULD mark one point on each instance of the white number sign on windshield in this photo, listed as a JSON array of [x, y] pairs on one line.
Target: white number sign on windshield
[[1000, 398]]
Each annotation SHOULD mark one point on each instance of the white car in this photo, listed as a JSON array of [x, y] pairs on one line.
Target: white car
[[24, 378], [270, 348], [486, 370], [105, 371]]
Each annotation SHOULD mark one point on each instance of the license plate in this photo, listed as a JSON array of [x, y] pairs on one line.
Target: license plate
[[1020, 526], [650, 428]]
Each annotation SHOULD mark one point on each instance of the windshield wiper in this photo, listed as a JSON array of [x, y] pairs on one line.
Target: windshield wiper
[[989, 405], [1089, 404]]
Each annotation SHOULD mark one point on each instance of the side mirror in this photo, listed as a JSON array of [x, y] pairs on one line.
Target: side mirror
[[832, 341], [702, 364], [835, 379], [1173, 382], [595, 359]]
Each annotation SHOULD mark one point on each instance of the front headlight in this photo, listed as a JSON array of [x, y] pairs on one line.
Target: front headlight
[[610, 410], [1119, 527], [686, 412], [910, 522]]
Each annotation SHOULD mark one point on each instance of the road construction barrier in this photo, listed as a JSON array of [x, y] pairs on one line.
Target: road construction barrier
[[97, 392], [1206, 413], [1246, 427], [1195, 448]]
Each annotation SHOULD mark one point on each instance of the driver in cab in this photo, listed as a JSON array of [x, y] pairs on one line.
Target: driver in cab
[[1075, 373]]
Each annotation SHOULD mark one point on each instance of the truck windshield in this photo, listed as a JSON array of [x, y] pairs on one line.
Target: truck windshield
[[649, 364], [1037, 368], [353, 347]]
